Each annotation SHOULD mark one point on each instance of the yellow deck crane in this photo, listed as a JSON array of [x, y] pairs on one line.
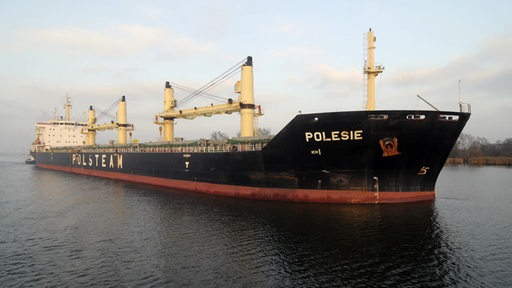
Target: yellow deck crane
[[121, 125], [245, 106]]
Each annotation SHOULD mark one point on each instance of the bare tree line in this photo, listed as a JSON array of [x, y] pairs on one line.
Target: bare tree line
[[218, 135], [479, 150]]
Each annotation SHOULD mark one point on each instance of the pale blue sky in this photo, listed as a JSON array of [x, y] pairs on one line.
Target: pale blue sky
[[308, 56]]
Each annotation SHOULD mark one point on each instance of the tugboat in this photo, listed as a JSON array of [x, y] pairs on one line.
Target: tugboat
[[30, 160]]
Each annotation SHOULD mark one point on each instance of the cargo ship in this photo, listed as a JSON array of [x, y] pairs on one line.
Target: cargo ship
[[367, 156]]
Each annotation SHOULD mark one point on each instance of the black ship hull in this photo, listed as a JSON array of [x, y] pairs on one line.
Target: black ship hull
[[338, 157]]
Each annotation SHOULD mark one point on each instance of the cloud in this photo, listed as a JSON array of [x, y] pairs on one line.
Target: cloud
[[115, 41], [329, 75], [150, 12], [325, 76], [288, 28], [179, 47], [497, 49], [293, 51]]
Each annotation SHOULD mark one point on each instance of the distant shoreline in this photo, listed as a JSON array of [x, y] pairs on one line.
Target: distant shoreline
[[483, 160]]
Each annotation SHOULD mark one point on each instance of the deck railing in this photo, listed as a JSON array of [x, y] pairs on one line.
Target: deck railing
[[196, 147]]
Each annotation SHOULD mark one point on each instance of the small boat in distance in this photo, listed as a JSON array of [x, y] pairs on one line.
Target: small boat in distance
[[30, 160]]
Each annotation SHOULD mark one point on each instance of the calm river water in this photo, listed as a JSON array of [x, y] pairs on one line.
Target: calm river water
[[64, 230]]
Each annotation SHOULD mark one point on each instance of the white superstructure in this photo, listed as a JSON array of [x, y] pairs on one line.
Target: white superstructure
[[59, 132]]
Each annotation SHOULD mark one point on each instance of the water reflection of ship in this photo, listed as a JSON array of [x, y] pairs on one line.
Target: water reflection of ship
[[357, 244], [328, 245]]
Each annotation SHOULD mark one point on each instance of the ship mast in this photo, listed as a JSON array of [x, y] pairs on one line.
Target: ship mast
[[67, 106], [371, 71]]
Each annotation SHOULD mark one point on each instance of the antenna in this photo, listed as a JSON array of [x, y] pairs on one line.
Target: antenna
[[460, 99], [463, 107], [67, 106]]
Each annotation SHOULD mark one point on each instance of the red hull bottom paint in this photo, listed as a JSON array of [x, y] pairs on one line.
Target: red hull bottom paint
[[260, 193]]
